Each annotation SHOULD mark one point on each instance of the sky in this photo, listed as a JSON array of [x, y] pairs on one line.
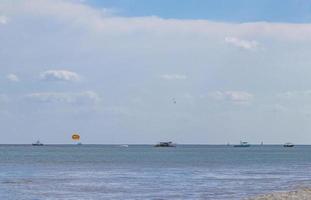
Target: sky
[[140, 72]]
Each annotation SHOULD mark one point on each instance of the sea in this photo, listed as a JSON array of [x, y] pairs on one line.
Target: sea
[[95, 172]]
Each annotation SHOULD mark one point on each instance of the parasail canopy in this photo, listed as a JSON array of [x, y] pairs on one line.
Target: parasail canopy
[[75, 136]]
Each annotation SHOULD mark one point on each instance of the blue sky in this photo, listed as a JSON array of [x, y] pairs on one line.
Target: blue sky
[[111, 71], [297, 11]]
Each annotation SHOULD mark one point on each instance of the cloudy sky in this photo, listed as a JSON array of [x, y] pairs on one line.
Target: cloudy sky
[[137, 71]]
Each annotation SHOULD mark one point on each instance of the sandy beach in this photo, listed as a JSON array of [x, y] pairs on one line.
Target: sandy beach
[[299, 194]]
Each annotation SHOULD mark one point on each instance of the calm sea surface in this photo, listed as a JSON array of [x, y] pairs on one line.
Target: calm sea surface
[[94, 172]]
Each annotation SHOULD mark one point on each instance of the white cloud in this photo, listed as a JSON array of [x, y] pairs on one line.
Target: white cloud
[[244, 44], [12, 77], [232, 96], [279, 108], [3, 19], [75, 12], [173, 76], [80, 14], [295, 94], [59, 75], [86, 97]]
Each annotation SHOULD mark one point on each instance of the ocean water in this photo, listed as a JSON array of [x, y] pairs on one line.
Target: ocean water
[[94, 172]]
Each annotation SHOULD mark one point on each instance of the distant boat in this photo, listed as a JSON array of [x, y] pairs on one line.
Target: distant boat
[[124, 145], [242, 144], [38, 143], [288, 144], [165, 144]]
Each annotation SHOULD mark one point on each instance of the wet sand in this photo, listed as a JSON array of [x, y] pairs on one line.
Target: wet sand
[[299, 194]]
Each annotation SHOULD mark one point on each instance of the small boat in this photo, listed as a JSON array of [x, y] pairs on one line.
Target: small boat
[[288, 144], [242, 144], [38, 143], [165, 144], [124, 145]]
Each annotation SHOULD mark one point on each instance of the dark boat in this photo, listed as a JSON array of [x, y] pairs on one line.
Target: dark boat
[[38, 143], [288, 145], [242, 144], [165, 144]]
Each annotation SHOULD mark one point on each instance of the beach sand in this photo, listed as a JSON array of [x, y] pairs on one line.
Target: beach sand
[[299, 194]]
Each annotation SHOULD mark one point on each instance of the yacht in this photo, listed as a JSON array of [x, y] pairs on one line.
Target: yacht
[[288, 144], [165, 144], [242, 144], [38, 143]]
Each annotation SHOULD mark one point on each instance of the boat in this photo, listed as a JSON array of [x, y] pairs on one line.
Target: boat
[[124, 145], [288, 144], [165, 144], [242, 144], [38, 143]]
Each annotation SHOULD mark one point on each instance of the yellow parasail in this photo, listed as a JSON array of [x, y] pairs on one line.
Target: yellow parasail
[[75, 137]]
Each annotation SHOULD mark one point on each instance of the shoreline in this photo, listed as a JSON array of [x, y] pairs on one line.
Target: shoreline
[[297, 194]]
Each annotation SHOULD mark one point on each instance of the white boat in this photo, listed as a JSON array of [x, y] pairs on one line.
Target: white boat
[[165, 144], [38, 143], [242, 144], [288, 144]]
